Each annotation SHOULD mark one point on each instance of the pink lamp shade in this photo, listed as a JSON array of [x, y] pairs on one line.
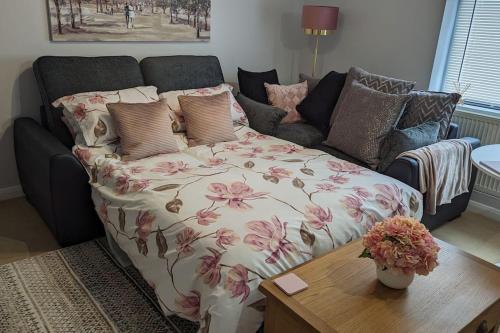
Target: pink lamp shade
[[319, 19]]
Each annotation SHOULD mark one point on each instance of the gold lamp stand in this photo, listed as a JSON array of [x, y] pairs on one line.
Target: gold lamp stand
[[317, 33]]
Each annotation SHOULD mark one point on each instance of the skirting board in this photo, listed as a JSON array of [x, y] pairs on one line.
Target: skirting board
[[12, 192], [486, 205]]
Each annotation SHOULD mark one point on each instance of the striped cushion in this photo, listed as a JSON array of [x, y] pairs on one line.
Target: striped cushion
[[144, 129], [208, 118]]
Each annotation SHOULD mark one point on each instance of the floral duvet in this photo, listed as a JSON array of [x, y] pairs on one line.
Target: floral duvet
[[206, 225]]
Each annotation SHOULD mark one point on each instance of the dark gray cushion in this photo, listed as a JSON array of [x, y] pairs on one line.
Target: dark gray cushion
[[407, 139], [365, 118], [339, 154], [262, 117], [182, 72], [63, 76], [426, 106], [300, 133]]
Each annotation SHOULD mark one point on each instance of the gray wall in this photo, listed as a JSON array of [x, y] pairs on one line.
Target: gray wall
[[255, 34], [393, 37]]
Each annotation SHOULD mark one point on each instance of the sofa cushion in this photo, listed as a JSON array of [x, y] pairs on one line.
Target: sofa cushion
[[263, 118], [318, 106], [365, 118], [312, 82], [300, 133], [64, 76], [426, 106], [252, 83], [376, 82], [182, 72], [337, 153]]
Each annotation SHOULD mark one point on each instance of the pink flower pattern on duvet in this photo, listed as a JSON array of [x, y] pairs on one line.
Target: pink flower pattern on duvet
[[206, 225]]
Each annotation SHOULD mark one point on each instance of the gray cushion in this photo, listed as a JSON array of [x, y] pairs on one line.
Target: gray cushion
[[182, 72], [365, 118], [63, 76], [300, 133], [376, 82], [426, 106], [312, 82], [407, 139], [263, 118]]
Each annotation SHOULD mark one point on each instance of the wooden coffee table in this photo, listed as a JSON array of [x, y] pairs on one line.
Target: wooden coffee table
[[461, 295]]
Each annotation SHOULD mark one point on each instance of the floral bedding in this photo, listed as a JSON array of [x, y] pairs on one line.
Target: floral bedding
[[206, 225]]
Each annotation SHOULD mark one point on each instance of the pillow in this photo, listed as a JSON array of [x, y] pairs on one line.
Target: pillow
[[365, 118], [208, 118], [89, 118], [318, 106], [401, 140], [428, 106], [237, 113], [252, 84], [376, 82], [144, 128], [287, 98], [263, 118], [312, 82]]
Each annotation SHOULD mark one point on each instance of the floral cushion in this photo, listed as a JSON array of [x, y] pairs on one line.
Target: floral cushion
[[178, 122], [89, 119]]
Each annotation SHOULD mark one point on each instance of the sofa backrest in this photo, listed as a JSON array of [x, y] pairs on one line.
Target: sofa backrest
[[181, 72], [62, 76]]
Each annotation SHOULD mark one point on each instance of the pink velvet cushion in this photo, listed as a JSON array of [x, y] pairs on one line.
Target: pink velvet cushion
[[145, 129], [287, 98], [208, 118]]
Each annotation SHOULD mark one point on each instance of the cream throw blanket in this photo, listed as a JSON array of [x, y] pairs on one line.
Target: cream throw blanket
[[444, 171]]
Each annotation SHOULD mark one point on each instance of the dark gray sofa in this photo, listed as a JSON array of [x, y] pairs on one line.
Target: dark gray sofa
[[55, 182]]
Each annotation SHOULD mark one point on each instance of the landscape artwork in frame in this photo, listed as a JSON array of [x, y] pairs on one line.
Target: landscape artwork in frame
[[134, 20]]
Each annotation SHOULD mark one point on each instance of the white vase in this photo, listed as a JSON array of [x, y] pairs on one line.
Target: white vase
[[393, 279]]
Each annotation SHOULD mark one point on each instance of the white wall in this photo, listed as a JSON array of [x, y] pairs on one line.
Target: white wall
[[392, 37], [254, 34]]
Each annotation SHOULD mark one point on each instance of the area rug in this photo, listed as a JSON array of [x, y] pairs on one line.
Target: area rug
[[80, 289]]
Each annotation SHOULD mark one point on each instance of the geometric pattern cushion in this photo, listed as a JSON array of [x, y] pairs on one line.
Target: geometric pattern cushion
[[287, 98], [376, 82], [426, 106]]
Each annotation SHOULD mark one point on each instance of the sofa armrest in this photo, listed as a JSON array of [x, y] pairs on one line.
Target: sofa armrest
[[453, 131], [55, 183], [406, 170]]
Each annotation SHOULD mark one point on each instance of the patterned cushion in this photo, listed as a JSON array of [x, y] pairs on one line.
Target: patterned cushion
[[373, 81], [178, 125], [428, 106], [208, 118], [145, 129], [287, 98], [89, 118], [366, 117]]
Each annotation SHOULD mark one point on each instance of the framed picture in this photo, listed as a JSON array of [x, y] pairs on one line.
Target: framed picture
[[129, 20]]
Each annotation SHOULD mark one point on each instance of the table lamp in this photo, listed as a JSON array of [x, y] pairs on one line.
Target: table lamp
[[319, 21]]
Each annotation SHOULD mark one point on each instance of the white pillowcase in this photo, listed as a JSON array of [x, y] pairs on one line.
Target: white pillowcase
[[88, 116], [178, 123]]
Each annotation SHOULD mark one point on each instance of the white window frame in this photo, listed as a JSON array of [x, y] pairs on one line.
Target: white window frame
[[441, 59]]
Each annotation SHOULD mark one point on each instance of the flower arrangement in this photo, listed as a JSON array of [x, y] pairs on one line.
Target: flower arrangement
[[402, 245]]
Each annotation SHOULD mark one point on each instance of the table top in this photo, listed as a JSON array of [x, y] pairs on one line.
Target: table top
[[345, 296], [486, 153]]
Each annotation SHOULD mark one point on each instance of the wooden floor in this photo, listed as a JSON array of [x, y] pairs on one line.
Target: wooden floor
[[24, 234]]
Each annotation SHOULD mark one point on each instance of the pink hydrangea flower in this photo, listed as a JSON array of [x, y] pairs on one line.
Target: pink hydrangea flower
[[205, 216], [237, 282], [403, 245], [210, 267], [235, 195], [184, 240], [189, 305], [271, 237], [317, 217], [225, 237], [144, 223]]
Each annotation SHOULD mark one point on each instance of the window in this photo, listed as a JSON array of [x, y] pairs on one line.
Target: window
[[468, 52]]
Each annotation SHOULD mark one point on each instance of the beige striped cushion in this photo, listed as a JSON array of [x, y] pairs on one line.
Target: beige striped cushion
[[145, 129], [208, 118]]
